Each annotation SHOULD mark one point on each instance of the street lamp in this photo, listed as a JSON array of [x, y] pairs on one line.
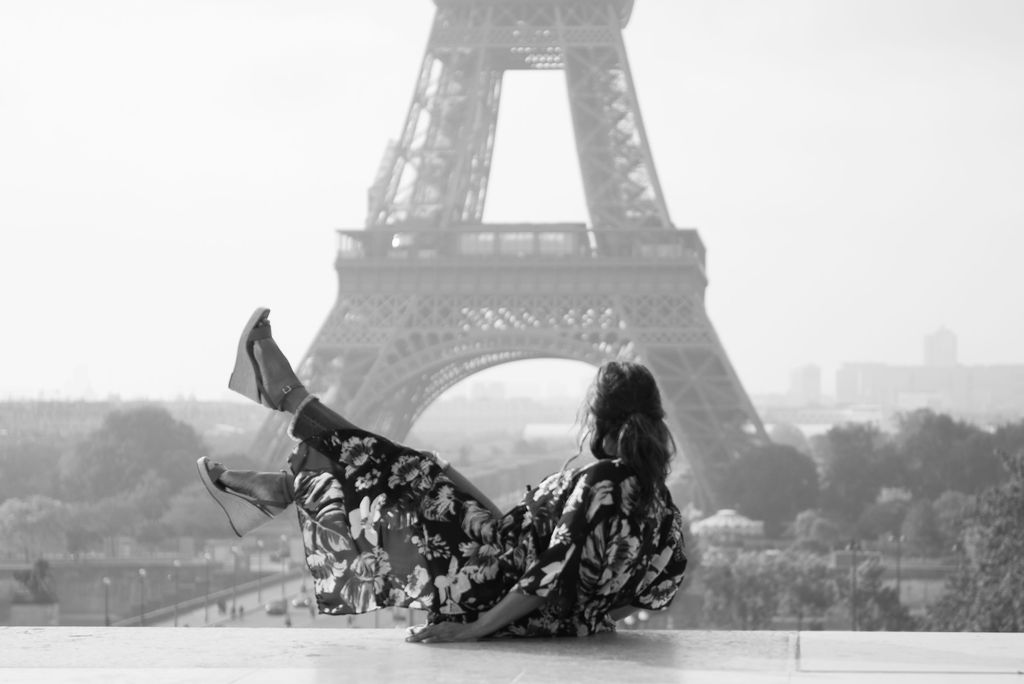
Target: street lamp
[[284, 561], [854, 546], [177, 567], [259, 571], [142, 597], [899, 558], [106, 601], [235, 551], [206, 604]]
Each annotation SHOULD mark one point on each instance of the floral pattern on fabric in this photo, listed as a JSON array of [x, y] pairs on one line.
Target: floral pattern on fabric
[[386, 527], [596, 549]]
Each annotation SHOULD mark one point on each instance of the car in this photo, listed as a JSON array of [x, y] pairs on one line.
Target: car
[[276, 607], [302, 602]]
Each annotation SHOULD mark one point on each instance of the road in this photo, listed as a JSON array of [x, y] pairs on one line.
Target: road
[[250, 611]]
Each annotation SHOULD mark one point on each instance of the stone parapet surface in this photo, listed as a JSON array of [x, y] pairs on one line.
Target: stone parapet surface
[[38, 655]]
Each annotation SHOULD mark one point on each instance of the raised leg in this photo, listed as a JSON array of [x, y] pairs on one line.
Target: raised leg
[[313, 419], [263, 373], [248, 498], [271, 488]]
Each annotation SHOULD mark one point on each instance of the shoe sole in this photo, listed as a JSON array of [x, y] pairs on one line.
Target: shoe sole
[[243, 516], [243, 377]]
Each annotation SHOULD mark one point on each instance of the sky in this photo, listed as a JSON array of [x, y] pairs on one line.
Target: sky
[[855, 168]]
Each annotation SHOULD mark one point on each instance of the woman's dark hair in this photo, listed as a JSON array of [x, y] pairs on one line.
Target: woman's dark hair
[[624, 402]]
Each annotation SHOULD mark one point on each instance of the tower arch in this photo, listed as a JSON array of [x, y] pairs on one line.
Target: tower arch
[[428, 294]]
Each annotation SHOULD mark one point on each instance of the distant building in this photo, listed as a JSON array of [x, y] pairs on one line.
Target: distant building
[[940, 383], [805, 386], [817, 420], [473, 416], [940, 349], [487, 390], [727, 526], [561, 435]]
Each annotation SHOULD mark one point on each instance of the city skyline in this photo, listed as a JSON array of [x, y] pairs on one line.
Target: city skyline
[[853, 169], [561, 379]]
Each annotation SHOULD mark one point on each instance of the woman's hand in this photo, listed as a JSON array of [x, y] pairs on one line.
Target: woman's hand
[[514, 606], [441, 632]]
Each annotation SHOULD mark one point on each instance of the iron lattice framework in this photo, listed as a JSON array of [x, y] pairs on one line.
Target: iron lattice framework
[[429, 295]]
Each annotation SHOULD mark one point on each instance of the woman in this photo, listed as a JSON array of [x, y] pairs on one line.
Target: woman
[[387, 525]]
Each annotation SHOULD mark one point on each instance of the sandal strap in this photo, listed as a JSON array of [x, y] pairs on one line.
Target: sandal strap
[[241, 495]]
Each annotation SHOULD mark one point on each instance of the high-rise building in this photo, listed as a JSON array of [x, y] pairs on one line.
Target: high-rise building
[[940, 349], [940, 383], [805, 386]]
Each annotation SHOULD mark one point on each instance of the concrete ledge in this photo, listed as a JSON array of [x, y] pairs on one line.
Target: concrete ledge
[[37, 655]]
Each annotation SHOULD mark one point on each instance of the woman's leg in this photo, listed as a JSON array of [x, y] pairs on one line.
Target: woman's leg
[[281, 389], [248, 498], [264, 374], [312, 420], [273, 488]]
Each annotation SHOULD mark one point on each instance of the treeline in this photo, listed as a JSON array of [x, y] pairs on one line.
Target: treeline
[[753, 589], [747, 589], [940, 486], [134, 476], [934, 487], [856, 481]]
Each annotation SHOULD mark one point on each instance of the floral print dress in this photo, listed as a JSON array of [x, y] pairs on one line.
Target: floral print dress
[[383, 526]]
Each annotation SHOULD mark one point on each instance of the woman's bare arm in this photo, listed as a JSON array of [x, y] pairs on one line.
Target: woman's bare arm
[[621, 613], [467, 487], [514, 606]]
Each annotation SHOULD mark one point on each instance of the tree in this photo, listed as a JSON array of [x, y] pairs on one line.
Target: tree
[[940, 454], [28, 467], [950, 509], [33, 525], [136, 512], [108, 517], [806, 584], [81, 539], [815, 532], [921, 531], [856, 464], [790, 435], [35, 585], [877, 607], [772, 483], [192, 513], [741, 591], [124, 451], [1009, 438], [986, 591], [880, 519]]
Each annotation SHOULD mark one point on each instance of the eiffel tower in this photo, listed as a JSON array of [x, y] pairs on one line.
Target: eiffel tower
[[428, 294]]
